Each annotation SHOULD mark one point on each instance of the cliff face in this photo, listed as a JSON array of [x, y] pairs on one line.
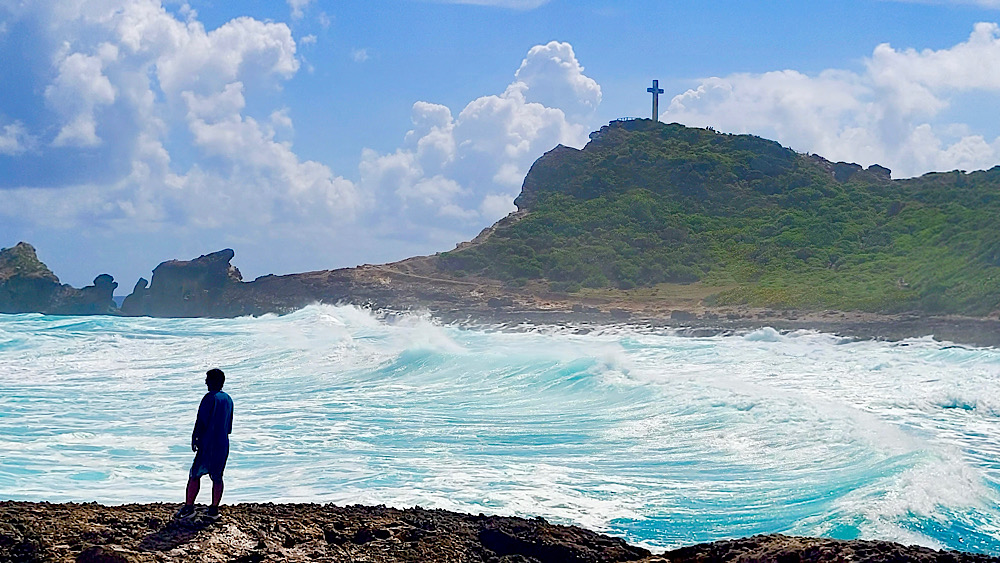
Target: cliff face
[[557, 163], [185, 288], [28, 286]]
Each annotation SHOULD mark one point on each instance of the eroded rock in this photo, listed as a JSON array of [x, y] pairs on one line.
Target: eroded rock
[[29, 286]]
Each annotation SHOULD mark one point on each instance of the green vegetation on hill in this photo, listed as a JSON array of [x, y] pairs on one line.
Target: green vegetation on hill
[[21, 260], [646, 203]]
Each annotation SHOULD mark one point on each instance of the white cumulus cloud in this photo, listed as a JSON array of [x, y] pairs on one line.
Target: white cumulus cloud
[[895, 112], [153, 76], [79, 89], [462, 172]]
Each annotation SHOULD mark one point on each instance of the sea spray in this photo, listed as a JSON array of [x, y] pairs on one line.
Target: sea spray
[[664, 440]]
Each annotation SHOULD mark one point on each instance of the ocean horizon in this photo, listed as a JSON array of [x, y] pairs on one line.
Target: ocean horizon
[[637, 432]]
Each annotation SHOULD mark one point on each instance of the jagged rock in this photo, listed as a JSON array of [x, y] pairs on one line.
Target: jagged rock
[[133, 305], [293, 532], [96, 299], [29, 286], [185, 288], [777, 548], [843, 171], [378, 534], [880, 172], [551, 166], [26, 285]]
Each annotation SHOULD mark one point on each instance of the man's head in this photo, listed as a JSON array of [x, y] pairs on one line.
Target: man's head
[[214, 378]]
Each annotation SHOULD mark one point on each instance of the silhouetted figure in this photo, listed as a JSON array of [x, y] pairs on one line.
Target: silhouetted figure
[[210, 440]]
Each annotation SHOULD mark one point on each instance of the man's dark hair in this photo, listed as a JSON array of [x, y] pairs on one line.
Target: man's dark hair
[[215, 379]]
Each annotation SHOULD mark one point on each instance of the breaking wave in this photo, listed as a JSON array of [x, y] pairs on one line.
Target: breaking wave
[[661, 439]]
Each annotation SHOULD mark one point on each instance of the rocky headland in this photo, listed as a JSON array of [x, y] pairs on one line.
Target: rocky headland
[[92, 533], [28, 286]]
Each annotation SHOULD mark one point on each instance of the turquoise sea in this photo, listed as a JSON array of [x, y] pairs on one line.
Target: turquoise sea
[[661, 439]]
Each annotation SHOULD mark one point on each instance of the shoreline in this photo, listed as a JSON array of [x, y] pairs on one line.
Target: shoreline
[[964, 331], [983, 332], [403, 286], [255, 532]]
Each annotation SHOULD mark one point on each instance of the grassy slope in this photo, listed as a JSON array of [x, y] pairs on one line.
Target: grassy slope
[[647, 203]]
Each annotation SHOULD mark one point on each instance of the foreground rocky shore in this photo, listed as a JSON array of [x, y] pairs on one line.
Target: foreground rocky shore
[[309, 532]]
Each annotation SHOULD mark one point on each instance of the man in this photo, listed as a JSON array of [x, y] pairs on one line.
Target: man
[[210, 440]]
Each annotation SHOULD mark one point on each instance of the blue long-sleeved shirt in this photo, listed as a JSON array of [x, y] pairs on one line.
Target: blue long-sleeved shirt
[[215, 422]]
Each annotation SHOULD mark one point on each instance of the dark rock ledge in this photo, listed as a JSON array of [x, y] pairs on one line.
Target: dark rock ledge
[[311, 532]]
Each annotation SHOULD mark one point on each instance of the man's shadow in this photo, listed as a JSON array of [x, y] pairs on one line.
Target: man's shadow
[[175, 532]]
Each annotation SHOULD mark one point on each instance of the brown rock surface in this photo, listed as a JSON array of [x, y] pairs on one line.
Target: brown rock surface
[[784, 549], [311, 532], [284, 532]]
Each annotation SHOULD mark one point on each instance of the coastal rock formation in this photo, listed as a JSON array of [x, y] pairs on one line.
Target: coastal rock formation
[[301, 532], [135, 533], [784, 549], [26, 285], [96, 299], [546, 171], [29, 286], [209, 286], [184, 288]]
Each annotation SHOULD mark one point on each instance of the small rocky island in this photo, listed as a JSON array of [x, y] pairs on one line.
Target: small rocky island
[[92, 533]]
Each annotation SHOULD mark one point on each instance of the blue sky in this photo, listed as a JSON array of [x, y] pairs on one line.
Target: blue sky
[[312, 134]]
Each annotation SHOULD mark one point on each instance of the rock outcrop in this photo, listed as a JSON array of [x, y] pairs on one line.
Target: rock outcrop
[[29, 286], [292, 532], [785, 549], [209, 286], [185, 288], [135, 533]]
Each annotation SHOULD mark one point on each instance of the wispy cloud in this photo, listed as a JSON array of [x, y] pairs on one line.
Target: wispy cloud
[[14, 139], [298, 7], [359, 55]]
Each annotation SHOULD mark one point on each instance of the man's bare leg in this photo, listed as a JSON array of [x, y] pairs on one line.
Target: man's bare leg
[[217, 487], [194, 485]]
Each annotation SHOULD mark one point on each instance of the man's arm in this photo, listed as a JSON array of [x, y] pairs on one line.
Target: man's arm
[[200, 424]]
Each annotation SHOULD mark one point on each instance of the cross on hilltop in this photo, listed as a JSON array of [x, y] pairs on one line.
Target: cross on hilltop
[[656, 91]]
